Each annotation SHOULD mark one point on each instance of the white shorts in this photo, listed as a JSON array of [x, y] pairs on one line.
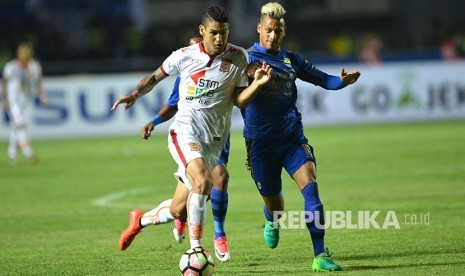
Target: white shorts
[[185, 148], [20, 115]]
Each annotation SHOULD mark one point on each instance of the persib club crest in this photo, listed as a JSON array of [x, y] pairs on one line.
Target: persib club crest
[[287, 62]]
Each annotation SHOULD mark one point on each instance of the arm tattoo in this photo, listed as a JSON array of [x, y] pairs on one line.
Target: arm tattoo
[[149, 82]]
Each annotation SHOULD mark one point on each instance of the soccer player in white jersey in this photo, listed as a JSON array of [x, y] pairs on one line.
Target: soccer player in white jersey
[[22, 78], [219, 192], [213, 79]]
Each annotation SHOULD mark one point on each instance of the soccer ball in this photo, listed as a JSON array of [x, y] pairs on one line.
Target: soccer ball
[[196, 261]]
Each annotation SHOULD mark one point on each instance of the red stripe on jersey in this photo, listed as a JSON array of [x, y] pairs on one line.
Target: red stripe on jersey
[[174, 136], [163, 71], [202, 49]]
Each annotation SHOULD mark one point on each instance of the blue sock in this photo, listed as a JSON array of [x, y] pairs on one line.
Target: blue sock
[[268, 216], [219, 200], [313, 204]]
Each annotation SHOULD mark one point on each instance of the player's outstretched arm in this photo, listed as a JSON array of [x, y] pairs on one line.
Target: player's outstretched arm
[[144, 86], [166, 112], [349, 77], [244, 96]]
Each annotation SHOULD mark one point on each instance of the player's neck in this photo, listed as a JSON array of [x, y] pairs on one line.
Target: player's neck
[[210, 52], [271, 51]]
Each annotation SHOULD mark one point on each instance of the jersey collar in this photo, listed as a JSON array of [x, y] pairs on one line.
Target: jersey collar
[[202, 49]]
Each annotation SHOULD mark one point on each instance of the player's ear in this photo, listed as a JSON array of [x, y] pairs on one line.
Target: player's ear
[[259, 27], [284, 29], [201, 30]]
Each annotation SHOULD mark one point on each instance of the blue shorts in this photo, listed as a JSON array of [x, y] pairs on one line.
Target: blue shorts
[[224, 153], [267, 158]]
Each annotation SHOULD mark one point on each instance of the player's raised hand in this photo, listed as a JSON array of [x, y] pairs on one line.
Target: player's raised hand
[[263, 74], [147, 130], [349, 77], [130, 100]]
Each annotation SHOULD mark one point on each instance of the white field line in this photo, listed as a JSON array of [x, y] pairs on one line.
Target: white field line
[[111, 200]]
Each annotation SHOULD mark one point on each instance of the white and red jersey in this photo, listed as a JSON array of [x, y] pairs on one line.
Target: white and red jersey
[[22, 81], [206, 90]]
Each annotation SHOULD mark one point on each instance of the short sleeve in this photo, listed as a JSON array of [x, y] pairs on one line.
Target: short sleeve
[[8, 71], [171, 64], [243, 80]]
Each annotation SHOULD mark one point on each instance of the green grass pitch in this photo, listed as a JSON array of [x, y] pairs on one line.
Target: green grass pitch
[[64, 215]]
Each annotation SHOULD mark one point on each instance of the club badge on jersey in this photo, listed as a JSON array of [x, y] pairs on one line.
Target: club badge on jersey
[[225, 65]]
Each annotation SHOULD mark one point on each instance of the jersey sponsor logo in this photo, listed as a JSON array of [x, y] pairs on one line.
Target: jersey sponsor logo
[[194, 60], [225, 65], [194, 146], [308, 150], [203, 88]]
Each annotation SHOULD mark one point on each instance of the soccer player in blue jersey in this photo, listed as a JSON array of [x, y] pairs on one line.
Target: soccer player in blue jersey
[[274, 134]]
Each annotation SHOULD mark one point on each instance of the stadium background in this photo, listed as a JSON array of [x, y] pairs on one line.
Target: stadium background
[[392, 141], [411, 56]]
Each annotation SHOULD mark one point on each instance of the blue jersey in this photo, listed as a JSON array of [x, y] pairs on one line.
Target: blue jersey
[[174, 97], [273, 112]]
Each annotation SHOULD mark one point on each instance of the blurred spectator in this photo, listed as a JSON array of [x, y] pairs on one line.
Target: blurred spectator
[[132, 40], [369, 49], [97, 42], [449, 48], [341, 45]]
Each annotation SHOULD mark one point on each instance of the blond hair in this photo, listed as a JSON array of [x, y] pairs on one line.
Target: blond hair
[[274, 10]]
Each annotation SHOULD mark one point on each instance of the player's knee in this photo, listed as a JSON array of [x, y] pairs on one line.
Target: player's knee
[[178, 212], [202, 185], [221, 179]]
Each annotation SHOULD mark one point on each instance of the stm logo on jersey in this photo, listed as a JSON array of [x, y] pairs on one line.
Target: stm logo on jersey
[[204, 88]]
